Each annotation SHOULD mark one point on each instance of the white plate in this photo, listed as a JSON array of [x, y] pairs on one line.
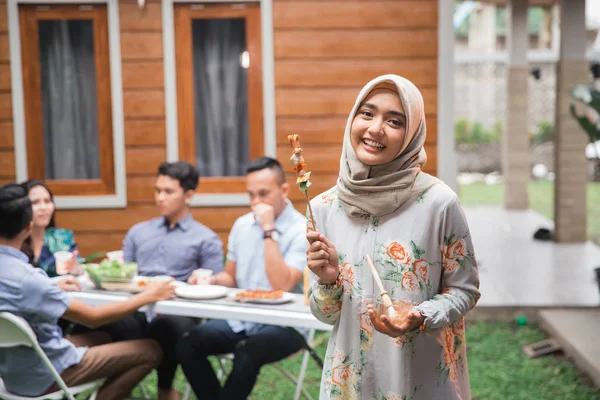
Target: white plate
[[285, 298], [201, 292]]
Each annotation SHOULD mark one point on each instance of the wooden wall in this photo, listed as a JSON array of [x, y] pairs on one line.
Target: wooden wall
[[7, 155], [325, 51]]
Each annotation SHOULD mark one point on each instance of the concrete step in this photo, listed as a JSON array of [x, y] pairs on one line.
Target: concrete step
[[578, 332]]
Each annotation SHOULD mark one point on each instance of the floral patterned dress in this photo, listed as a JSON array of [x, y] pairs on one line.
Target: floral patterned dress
[[55, 239], [424, 254]]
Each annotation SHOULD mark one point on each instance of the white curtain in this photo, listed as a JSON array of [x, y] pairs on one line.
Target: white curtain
[[221, 97], [68, 72]]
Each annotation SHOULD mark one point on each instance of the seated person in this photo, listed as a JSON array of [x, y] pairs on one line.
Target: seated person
[[46, 238], [29, 293], [173, 244], [267, 251]]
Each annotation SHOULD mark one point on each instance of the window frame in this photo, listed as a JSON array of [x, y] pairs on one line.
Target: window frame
[[110, 190], [233, 191]]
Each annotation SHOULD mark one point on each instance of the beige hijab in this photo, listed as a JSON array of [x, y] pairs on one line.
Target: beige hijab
[[381, 189]]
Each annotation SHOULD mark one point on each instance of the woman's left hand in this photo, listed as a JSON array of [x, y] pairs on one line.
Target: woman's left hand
[[400, 326], [73, 264], [69, 284]]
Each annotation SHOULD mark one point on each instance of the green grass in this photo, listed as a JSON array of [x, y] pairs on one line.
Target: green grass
[[541, 199], [497, 368]]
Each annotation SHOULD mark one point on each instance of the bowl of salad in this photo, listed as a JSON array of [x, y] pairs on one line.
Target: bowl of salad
[[112, 271]]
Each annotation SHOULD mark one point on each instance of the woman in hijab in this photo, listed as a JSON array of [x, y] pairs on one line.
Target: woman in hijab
[[413, 228]]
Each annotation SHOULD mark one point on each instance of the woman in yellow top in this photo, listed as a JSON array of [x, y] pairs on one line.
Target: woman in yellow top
[[412, 226]]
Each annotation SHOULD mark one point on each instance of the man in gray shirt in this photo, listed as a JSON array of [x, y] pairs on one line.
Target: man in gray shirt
[[173, 244]]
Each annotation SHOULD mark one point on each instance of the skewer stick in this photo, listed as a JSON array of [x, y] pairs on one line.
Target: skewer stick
[[312, 219], [387, 302], [303, 175]]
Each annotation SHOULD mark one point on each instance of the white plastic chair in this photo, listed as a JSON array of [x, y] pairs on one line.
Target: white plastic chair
[[15, 331], [299, 380]]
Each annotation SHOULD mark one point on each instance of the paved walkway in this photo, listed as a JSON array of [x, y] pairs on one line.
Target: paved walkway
[[578, 331], [517, 271]]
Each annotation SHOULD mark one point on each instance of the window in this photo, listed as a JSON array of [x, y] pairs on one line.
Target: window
[[219, 91], [67, 97]]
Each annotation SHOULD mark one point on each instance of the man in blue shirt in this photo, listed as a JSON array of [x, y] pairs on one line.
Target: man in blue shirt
[[266, 250], [173, 244], [29, 293]]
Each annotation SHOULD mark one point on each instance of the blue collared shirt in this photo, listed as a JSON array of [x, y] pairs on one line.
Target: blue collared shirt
[[29, 293], [177, 252], [246, 247]]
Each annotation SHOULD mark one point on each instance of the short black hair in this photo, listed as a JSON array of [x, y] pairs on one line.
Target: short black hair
[[267, 163], [183, 171], [15, 210]]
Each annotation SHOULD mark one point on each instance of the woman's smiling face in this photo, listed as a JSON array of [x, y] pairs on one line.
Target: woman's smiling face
[[379, 128]]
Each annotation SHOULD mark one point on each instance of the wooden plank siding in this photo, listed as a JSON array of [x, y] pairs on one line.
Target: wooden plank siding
[[325, 51], [7, 155]]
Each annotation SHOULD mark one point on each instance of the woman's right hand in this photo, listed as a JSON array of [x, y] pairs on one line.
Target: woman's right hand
[[322, 258], [159, 291]]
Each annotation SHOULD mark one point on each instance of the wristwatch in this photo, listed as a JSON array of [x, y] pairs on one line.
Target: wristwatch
[[272, 234]]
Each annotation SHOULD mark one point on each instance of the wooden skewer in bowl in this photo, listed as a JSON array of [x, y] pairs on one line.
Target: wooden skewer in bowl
[[387, 302]]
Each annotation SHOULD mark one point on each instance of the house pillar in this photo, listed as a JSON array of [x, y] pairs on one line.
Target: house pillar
[[515, 141], [570, 188]]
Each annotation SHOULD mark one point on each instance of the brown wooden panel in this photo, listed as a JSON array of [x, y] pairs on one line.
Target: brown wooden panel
[[316, 130], [322, 158], [144, 103], [330, 73], [328, 102], [431, 166], [218, 218], [6, 179], [7, 162], [5, 77], [6, 134], [143, 75], [144, 160], [143, 132], [141, 45], [323, 14], [349, 43], [4, 47], [3, 17], [5, 105], [131, 17], [91, 242], [328, 130], [140, 189]]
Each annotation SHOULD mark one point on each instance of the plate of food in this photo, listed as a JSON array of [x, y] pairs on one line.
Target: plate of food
[[201, 292], [263, 296]]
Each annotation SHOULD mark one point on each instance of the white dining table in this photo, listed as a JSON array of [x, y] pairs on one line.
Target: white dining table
[[293, 314]]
